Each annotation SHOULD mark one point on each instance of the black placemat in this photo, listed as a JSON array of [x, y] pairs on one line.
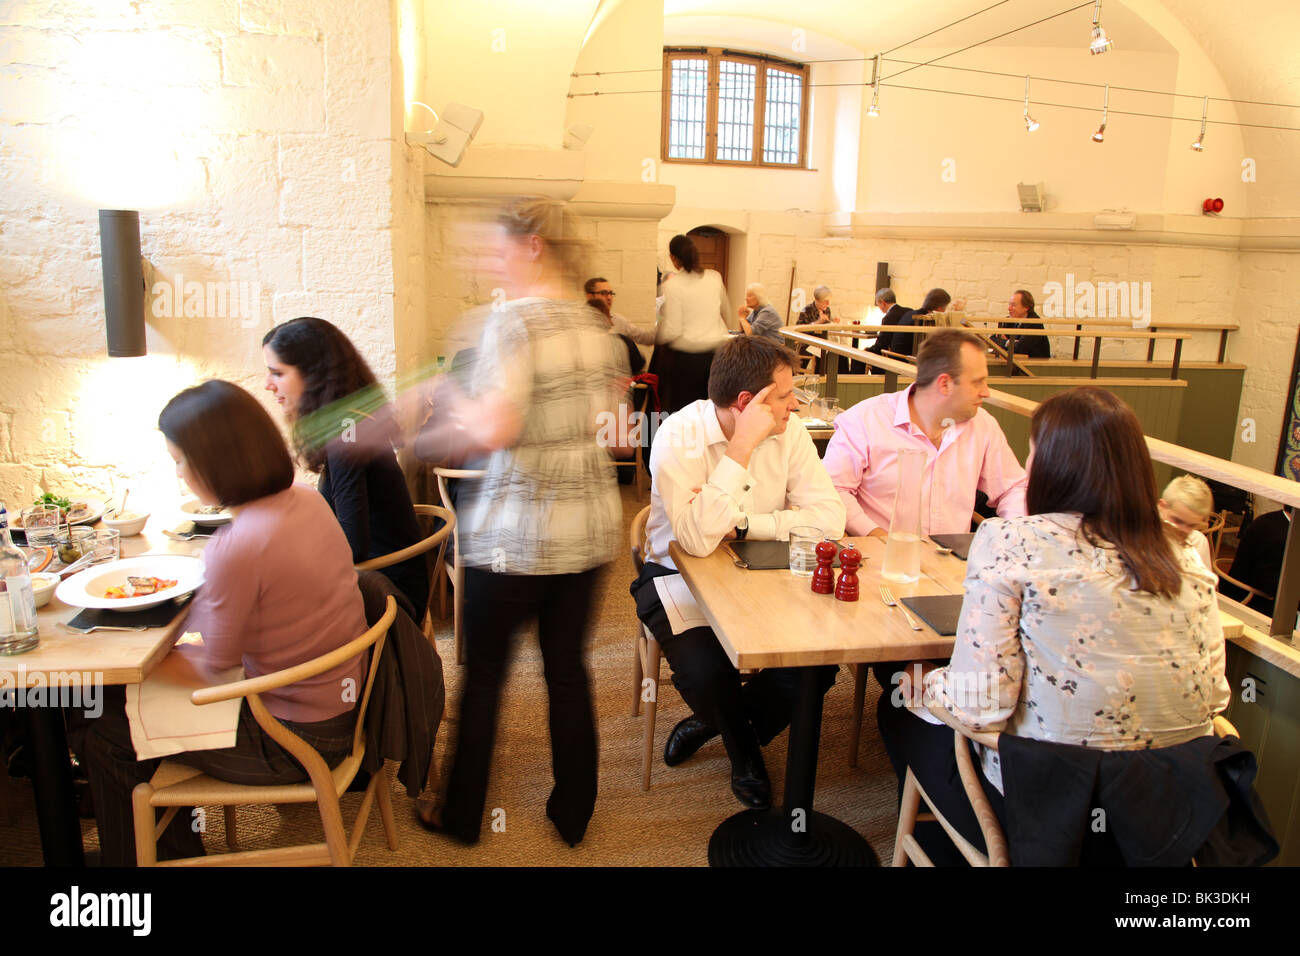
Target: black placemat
[[959, 543], [769, 555], [940, 611], [160, 615]]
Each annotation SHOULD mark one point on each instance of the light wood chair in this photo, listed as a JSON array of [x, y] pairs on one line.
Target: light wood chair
[[422, 546], [175, 785], [642, 477], [453, 572], [646, 658], [906, 847], [1214, 532], [1221, 566]]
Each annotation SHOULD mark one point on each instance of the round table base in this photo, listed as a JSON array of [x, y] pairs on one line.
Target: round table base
[[763, 838]]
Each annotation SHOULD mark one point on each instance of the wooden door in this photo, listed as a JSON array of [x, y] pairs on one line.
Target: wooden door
[[712, 246]]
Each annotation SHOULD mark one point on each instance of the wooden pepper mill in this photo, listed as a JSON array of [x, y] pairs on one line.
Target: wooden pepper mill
[[846, 588], [823, 579]]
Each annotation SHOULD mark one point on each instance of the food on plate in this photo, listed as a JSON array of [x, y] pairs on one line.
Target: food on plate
[[140, 586], [69, 510], [210, 510]]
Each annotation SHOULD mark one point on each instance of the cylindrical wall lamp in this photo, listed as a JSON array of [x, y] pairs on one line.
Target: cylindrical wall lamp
[[119, 247]]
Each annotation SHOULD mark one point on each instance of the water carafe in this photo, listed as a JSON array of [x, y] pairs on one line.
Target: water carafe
[[903, 547]]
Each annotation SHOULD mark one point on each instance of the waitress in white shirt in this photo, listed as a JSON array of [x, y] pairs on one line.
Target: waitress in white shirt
[[693, 325]]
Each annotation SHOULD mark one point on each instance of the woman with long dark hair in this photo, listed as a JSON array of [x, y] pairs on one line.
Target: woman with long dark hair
[[1081, 623], [279, 589], [311, 366], [693, 325]]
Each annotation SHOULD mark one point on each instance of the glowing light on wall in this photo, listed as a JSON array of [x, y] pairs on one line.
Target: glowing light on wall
[[408, 49]]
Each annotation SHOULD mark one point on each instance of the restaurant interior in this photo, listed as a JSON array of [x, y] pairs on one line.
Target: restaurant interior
[[180, 178]]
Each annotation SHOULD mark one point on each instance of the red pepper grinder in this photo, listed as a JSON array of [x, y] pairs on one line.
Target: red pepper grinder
[[846, 588], [823, 579]]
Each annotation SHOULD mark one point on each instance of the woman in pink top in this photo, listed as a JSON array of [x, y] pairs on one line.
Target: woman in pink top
[[279, 589]]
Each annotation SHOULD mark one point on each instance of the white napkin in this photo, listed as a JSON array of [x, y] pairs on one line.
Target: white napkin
[[679, 603], [164, 721]]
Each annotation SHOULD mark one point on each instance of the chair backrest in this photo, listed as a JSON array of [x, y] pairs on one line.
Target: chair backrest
[[636, 538], [1214, 532], [420, 547]]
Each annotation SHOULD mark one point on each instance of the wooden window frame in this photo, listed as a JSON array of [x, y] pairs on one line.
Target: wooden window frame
[[761, 61]]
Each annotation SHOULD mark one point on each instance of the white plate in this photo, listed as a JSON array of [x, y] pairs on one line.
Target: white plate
[[86, 588], [91, 511], [191, 509]]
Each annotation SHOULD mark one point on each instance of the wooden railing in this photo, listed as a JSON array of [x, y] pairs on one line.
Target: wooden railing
[[1258, 482]]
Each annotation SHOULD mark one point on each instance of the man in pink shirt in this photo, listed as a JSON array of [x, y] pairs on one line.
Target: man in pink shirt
[[940, 414]]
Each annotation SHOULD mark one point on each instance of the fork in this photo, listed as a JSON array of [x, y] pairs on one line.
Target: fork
[[100, 627], [887, 596]]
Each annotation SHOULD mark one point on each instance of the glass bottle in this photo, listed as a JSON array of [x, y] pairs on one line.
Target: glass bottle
[[17, 603], [903, 547]]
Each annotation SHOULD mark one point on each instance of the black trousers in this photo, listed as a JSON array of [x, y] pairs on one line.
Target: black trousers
[[496, 606], [928, 749], [711, 685], [683, 376], [103, 744]]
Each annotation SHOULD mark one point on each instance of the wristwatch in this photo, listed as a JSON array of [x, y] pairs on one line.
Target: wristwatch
[[742, 529]]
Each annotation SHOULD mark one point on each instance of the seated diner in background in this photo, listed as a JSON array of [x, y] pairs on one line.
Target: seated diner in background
[[757, 317], [311, 365], [1258, 561], [1185, 507], [1021, 307], [1081, 625], [257, 607], [739, 464], [904, 343], [939, 414]]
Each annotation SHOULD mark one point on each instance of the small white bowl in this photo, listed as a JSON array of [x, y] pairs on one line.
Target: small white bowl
[[126, 527], [43, 586]]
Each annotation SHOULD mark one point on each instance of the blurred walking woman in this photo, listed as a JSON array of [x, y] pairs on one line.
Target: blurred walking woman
[[540, 522], [693, 325], [310, 365]]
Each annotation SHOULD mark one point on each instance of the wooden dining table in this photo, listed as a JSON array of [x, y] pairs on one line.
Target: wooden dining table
[[64, 658], [773, 619]]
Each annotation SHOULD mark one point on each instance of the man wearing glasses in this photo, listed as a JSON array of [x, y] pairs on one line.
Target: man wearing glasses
[[601, 296]]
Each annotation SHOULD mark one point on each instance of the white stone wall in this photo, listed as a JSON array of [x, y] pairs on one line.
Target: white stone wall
[[1265, 307], [1187, 284], [255, 138]]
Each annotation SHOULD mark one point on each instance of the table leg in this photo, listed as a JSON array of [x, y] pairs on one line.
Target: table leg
[[56, 801], [796, 834]]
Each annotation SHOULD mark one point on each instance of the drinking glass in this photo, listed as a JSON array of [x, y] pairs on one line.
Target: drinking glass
[[803, 553], [41, 525], [902, 562], [73, 542], [106, 546]]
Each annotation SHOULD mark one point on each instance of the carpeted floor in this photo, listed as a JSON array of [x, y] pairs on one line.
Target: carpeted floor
[[669, 825]]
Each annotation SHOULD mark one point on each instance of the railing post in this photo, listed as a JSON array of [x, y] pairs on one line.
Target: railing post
[[1151, 345], [1178, 351], [1096, 355], [1288, 588], [1077, 339], [1223, 344]]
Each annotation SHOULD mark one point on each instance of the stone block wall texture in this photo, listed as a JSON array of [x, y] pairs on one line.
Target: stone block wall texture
[[256, 140]]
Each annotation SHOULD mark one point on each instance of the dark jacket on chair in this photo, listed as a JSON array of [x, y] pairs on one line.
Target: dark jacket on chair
[[1162, 807], [408, 696]]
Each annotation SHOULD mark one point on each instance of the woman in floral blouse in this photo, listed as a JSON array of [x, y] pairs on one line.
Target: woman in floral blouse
[[1081, 624]]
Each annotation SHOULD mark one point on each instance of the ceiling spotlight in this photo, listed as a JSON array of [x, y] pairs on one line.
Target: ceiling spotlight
[[1100, 135], [1031, 124], [1199, 145], [1100, 42]]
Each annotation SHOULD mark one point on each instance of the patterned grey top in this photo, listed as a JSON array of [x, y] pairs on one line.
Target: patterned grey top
[[1054, 643], [550, 503]]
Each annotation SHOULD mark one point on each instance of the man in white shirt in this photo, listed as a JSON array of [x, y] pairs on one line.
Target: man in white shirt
[[600, 294], [735, 465]]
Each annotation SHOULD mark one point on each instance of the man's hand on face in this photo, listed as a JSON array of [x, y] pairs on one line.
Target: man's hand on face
[[753, 425]]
